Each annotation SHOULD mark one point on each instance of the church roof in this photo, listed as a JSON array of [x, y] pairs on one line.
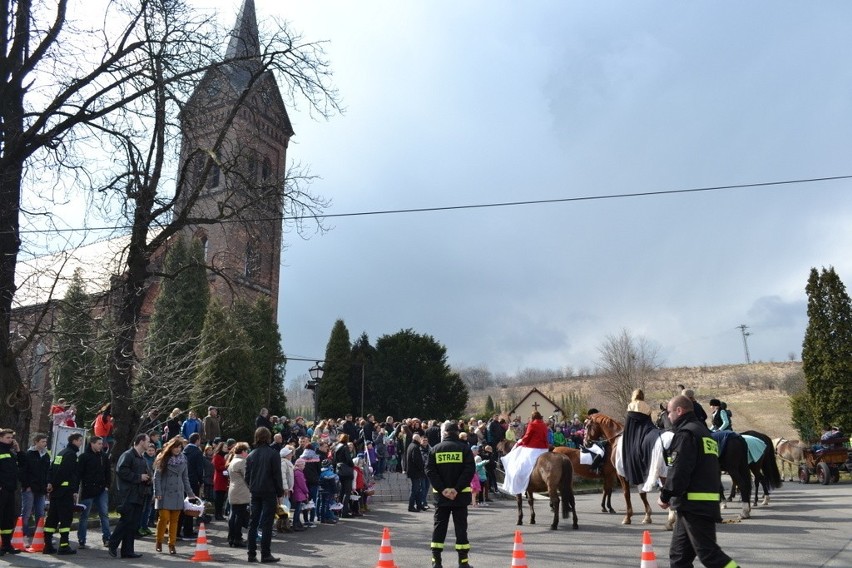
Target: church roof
[[244, 40]]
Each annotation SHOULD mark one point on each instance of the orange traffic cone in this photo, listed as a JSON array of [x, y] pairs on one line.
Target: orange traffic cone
[[649, 559], [18, 535], [201, 553], [37, 545], [519, 557], [386, 551]]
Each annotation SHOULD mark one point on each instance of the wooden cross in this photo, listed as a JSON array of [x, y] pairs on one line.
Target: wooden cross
[[535, 406]]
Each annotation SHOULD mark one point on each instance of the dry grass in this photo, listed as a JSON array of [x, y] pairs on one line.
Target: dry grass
[[751, 392]]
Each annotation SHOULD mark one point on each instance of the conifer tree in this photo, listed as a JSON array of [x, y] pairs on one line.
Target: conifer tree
[[489, 405], [334, 400], [258, 321], [361, 382], [826, 355], [175, 333], [75, 364], [227, 376]]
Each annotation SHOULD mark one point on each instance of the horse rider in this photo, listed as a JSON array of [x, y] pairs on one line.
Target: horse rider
[[692, 489], [720, 418], [519, 462], [450, 468]]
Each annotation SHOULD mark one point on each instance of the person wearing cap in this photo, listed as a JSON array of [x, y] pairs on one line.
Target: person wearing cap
[[328, 488], [699, 411], [450, 468], [692, 489], [287, 480], [719, 419]]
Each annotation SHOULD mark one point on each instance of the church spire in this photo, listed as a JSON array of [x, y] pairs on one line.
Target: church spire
[[244, 40]]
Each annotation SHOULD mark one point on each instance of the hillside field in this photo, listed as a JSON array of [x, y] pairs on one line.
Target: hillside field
[[753, 392]]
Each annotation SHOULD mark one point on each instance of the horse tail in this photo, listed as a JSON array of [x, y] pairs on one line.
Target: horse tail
[[566, 486], [769, 465]]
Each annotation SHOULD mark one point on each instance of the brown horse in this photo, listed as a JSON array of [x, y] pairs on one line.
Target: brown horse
[[791, 454], [607, 473], [554, 475], [600, 426]]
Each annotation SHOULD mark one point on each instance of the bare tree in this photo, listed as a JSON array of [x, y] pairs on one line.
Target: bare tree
[[126, 89], [476, 378], [626, 363]]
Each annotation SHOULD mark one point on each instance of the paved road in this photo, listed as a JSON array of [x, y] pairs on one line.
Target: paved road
[[804, 526]]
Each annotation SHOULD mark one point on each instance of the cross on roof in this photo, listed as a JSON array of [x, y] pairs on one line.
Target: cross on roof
[[536, 405]]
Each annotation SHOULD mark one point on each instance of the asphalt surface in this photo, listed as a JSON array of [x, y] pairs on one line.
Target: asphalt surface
[[805, 525]]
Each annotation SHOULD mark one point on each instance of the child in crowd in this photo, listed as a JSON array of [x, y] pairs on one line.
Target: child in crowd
[[483, 479], [328, 489], [300, 494]]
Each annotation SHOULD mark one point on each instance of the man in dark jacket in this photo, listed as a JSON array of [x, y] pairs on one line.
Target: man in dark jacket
[[133, 484], [433, 433], [63, 482], [496, 433], [33, 468], [95, 479], [450, 468], [195, 472], [692, 489], [415, 470], [8, 486], [263, 477]]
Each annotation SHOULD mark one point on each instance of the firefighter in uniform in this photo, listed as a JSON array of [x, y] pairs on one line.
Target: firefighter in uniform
[[450, 469], [692, 489], [8, 485], [62, 487]]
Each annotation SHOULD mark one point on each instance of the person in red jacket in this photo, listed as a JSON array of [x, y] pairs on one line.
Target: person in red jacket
[[519, 462], [220, 479]]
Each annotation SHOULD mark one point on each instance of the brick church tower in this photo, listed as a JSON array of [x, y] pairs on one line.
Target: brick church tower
[[245, 163]]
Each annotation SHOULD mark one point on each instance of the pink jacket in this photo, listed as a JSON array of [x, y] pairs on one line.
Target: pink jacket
[[300, 486]]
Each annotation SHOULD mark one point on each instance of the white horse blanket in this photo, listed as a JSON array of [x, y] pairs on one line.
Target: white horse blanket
[[658, 467]]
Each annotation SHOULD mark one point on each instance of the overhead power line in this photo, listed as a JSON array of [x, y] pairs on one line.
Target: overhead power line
[[492, 205]]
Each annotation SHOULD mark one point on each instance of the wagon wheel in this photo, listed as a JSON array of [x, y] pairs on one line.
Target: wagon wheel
[[804, 474], [823, 473]]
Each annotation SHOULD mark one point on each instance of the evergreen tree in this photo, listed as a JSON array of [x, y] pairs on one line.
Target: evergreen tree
[[414, 379], [75, 364], [361, 380], [227, 376], [334, 400], [826, 355], [173, 338], [258, 320], [489, 405]]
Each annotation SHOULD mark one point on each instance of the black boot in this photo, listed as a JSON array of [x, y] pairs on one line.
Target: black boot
[[463, 560], [48, 544], [436, 558]]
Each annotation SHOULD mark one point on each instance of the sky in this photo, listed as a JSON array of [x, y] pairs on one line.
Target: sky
[[459, 103], [462, 103]]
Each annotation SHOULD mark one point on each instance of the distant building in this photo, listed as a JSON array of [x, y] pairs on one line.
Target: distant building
[[535, 400], [244, 253]]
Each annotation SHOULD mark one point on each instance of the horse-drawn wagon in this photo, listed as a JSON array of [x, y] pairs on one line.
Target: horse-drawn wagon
[[823, 461]]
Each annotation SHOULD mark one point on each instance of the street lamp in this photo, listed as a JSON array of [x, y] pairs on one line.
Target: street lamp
[[315, 373]]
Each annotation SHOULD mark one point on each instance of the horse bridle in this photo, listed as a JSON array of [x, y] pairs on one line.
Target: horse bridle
[[609, 440]]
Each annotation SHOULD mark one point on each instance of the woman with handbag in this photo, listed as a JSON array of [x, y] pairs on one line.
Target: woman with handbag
[[346, 472], [171, 484]]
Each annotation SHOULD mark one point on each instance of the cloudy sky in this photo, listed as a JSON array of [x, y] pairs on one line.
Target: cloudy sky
[[463, 103]]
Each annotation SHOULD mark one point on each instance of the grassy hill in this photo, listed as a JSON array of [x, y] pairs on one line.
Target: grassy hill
[[757, 394]]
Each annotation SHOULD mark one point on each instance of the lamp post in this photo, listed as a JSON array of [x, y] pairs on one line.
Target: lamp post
[[315, 373]]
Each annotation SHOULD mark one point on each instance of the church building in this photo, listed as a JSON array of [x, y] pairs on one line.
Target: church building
[[243, 190]]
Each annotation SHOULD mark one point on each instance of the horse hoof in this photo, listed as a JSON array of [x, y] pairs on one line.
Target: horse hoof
[[625, 522], [724, 505], [532, 522], [575, 526], [766, 500], [553, 527], [611, 510]]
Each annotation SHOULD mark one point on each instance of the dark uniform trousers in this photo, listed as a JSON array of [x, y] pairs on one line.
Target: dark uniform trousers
[[696, 535], [59, 517], [7, 517], [439, 531]]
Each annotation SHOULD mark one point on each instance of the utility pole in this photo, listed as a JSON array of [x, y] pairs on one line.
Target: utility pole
[[743, 327]]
